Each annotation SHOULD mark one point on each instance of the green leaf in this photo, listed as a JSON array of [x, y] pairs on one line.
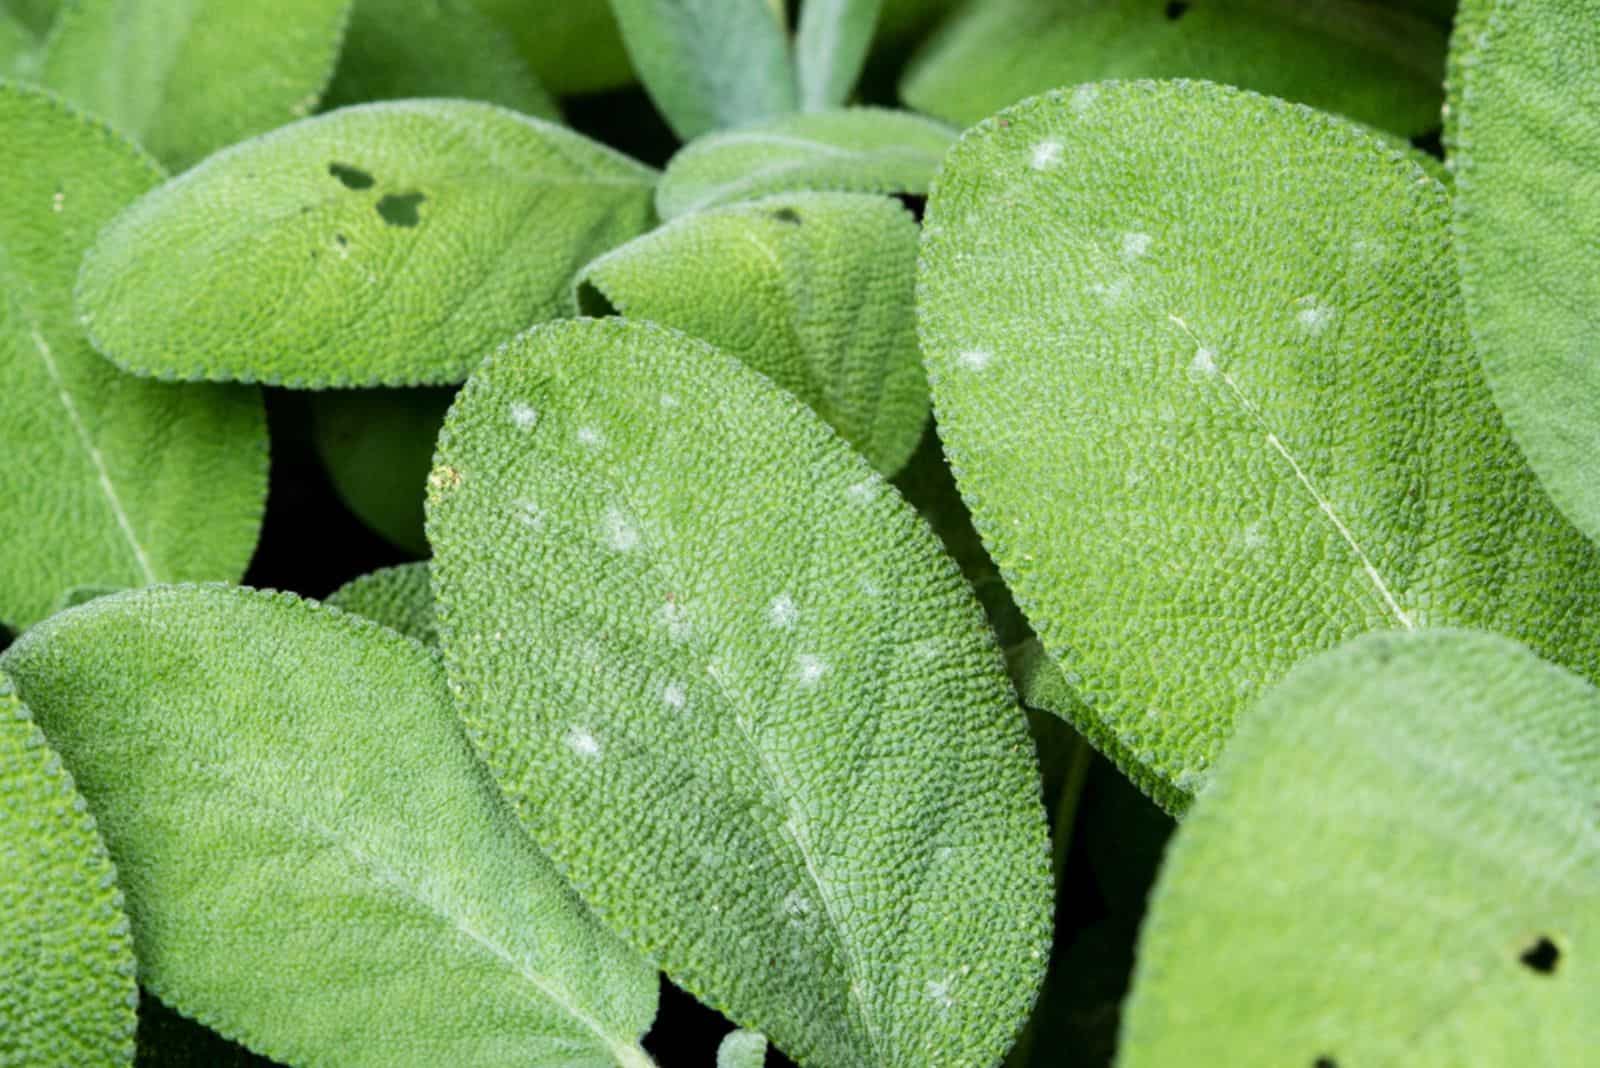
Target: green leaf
[[830, 46], [315, 863], [108, 481], [573, 47], [377, 446], [814, 290], [858, 150], [1471, 20], [187, 78], [18, 45], [1379, 66], [709, 64], [768, 735], [396, 49], [387, 244], [1400, 857], [68, 995], [742, 1049], [1223, 412], [1528, 235], [400, 598], [36, 15]]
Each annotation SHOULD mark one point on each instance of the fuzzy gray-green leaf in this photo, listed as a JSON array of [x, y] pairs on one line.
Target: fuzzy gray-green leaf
[[830, 46], [738, 692], [814, 290], [1397, 862], [377, 447], [857, 150], [401, 598], [187, 77], [66, 960], [108, 481], [386, 244], [315, 863], [1200, 365]]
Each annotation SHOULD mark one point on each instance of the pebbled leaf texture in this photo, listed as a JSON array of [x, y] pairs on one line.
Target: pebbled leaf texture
[[856, 150], [1471, 20], [67, 993], [1528, 234], [187, 77], [108, 481], [735, 688], [1199, 362], [397, 49], [830, 47], [1400, 854], [742, 1049], [1363, 59], [337, 837], [400, 597], [387, 244], [814, 290]]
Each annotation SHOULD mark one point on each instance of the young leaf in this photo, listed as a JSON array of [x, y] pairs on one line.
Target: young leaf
[[1376, 65], [742, 1049], [68, 993], [377, 446], [401, 598], [108, 481], [735, 688], [185, 79], [1472, 19], [315, 863], [830, 45], [387, 244], [433, 48], [1397, 863], [572, 47], [1223, 412], [708, 64], [814, 290], [859, 150], [1528, 234]]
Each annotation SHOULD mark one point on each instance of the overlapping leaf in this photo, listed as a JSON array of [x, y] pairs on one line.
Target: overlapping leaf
[[572, 47], [315, 863], [1397, 863], [377, 446], [401, 598], [108, 481], [1200, 366], [387, 244], [830, 45], [736, 689]]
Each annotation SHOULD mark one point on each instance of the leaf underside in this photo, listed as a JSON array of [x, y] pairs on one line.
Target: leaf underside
[[400, 597]]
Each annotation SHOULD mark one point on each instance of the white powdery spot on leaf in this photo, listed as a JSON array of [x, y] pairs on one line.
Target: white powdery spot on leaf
[[581, 740], [524, 416], [796, 905], [782, 612], [1083, 98], [1112, 292], [809, 669], [675, 619], [668, 401], [1045, 155], [1204, 362], [863, 492], [975, 359], [940, 990], [619, 531], [675, 696], [1254, 537], [590, 437], [1135, 245], [1315, 317], [531, 515]]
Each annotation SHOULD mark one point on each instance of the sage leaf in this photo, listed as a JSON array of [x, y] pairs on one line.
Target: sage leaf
[[18, 45], [186, 78], [386, 244], [708, 64], [735, 688], [573, 48], [337, 838], [1528, 235], [830, 46], [742, 1049], [1379, 66], [395, 49], [858, 150], [110, 482], [68, 995], [1400, 854], [1222, 412], [400, 597], [36, 16], [814, 290], [1466, 34]]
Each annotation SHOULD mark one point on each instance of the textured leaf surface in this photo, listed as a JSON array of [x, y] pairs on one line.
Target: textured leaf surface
[[814, 290], [735, 688], [108, 481], [742, 1049], [377, 446], [1362, 59], [387, 244], [830, 45], [186, 77], [397, 49], [1216, 409], [400, 598], [315, 863], [573, 47], [168, 1039], [1466, 33], [1528, 234], [1400, 856], [859, 150], [68, 994]]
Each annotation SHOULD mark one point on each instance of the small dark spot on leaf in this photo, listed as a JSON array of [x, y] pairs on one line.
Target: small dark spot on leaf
[[787, 215], [1324, 1061], [341, 239], [1175, 11], [1541, 957], [351, 177], [400, 209]]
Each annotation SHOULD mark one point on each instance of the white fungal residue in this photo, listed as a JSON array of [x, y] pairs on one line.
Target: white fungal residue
[[591, 437], [582, 741], [676, 620], [975, 359], [1254, 538], [675, 696], [531, 515], [1204, 362], [796, 905], [809, 669], [1135, 245], [1111, 292], [1046, 154], [939, 990], [523, 416], [782, 612], [619, 531], [1083, 98], [863, 492], [1315, 317], [668, 401]]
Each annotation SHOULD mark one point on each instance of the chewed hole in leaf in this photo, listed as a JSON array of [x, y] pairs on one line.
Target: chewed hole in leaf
[[1324, 1062], [400, 209], [1542, 957], [351, 177], [787, 215], [1175, 11]]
